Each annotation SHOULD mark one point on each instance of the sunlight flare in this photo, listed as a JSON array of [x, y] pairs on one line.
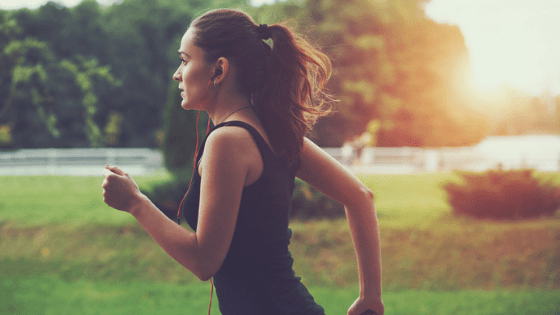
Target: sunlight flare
[[514, 43]]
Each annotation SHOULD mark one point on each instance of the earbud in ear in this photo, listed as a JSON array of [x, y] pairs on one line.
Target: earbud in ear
[[217, 72]]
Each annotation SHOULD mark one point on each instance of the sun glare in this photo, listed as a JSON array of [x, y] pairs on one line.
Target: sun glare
[[511, 42]]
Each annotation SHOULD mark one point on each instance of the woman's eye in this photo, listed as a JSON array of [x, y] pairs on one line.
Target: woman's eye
[[183, 61]]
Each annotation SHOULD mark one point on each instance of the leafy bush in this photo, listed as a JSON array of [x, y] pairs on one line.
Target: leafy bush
[[309, 203], [499, 194]]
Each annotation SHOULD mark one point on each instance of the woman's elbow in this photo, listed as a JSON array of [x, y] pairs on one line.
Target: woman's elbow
[[361, 197], [367, 193], [205, 271], [204, 274]]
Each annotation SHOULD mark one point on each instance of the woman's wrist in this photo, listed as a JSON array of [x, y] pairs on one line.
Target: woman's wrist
[[137, 204], [369, 291], [370, 294]]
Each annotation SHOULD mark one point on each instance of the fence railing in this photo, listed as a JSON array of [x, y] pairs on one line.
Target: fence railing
[[78, 161], [89, 162], [408, 160]]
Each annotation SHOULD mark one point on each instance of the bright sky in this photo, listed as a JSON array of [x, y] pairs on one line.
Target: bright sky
[[513, 42]]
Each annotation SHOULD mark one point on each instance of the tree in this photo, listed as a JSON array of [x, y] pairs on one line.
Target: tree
[[45, 100], [432, 85], [393, 67], [137, 39]]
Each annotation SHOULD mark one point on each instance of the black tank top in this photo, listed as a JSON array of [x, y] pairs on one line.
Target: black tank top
[[256, 277]]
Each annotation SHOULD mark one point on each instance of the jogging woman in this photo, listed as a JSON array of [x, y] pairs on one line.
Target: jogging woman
[[262, 99]]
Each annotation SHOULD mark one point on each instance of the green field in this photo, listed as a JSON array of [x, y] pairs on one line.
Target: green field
[[62, 251]]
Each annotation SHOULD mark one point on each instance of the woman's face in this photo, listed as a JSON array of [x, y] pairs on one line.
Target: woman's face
[[194, 74]]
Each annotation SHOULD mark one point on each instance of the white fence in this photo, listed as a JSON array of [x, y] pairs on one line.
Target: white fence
[[410, 160], [81, 162], [541, 152], [538, 152]]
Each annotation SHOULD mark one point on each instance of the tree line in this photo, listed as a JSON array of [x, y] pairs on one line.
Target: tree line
[[89, 76], [93, 76]]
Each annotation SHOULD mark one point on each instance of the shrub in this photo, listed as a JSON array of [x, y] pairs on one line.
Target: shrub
[[309, 203], [499, 194]]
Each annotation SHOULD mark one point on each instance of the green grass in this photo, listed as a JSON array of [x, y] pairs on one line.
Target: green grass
[[402, 201], [40, 200], [63, 251], [51, 295], [405, 201], [474, 258]]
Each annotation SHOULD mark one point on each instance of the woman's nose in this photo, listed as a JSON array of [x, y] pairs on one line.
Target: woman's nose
[[177, 75]]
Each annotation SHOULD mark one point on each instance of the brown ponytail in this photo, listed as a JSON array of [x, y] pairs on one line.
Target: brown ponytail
[[291, 98], [285, 81]]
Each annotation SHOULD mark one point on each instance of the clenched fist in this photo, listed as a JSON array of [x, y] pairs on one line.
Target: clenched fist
[[119, 189]]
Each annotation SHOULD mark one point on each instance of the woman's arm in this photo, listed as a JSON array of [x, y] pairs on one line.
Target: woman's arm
[[228, 159], [323, 172], [181, 244]]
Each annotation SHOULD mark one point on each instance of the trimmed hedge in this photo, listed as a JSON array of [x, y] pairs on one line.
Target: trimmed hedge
[[500, 194]]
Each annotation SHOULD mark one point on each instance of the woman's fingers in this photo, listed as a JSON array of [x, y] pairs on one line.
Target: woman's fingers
[[363, 307], [115, 169], [119, 190]]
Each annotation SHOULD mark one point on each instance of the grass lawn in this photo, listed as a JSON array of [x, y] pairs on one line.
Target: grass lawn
[[40, 200], [50, 295], [404, 201], [63, 251]]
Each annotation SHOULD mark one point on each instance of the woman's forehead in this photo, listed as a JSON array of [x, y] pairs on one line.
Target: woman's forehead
[[187, 44]]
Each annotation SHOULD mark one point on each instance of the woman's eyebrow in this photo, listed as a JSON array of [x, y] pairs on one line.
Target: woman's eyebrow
[[183, 53]]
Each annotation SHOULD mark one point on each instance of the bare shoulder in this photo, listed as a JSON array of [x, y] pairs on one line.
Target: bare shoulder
[[232, 148], [230, 138]]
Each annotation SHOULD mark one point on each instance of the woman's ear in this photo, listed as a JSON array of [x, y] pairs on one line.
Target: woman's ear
[[221, 71]]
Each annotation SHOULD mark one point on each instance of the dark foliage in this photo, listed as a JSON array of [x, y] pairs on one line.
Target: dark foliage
[[167, 196], [308, 203], [500, 194]]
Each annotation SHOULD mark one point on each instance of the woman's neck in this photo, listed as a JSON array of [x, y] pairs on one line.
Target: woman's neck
[[230, 107]]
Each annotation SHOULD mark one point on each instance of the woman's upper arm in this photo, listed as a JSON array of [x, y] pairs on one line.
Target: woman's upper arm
[[320, 170], [224, 168]]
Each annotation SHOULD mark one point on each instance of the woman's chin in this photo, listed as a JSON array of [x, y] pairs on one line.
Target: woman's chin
[[190, 105], [185, 105]]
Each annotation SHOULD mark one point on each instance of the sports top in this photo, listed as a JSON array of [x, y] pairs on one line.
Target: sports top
[[256, 276]]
